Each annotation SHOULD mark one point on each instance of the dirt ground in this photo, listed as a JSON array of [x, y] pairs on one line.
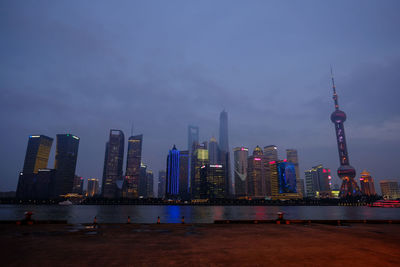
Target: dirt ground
[[200, 245]]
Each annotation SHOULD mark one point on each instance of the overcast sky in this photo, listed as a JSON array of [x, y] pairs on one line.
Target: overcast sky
[[84, 67]]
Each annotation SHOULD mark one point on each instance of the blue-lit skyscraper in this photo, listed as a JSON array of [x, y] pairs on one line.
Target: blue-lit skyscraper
[[283, 180], [172, 185]]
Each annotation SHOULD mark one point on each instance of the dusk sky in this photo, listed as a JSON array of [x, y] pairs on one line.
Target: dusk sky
[[85, 67]]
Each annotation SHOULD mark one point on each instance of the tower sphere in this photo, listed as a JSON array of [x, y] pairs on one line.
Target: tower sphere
[[346, 171], [338, 116]]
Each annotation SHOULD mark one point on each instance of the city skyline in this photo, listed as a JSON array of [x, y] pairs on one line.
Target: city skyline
[[93, 71]]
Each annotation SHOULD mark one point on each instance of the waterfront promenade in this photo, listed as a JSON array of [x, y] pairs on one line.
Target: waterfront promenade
[[200, 245]]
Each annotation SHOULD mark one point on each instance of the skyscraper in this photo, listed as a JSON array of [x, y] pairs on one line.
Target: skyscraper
[[193, 139], [367, 184], [92, 187], [113, 164], [212, 181], [224, 151], [65, 163], [161, 183], [271, 153], [143, 181], [37, 153], [390, 189], [199, 159], [177, 174], [318, 179], [150, 183], [213, 151], [283, 180], [36, 157], [240, 155], [78, 185], [193, 136], [184, 174], [132, 174], [256, 174], [346, 172], [172, 184], [291, 155]]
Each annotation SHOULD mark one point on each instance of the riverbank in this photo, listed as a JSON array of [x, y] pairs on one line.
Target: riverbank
[[200, 245]]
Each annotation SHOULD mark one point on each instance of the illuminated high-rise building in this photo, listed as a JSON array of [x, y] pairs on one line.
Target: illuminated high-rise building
[[143, 181], [199, 158], [132, 173], [291, 155], [283, 180], [225, 158], [37, 153], [240, 155], [346, 172], [367, 184], [113, 164], [390, 189], [172, 183], [92, 188], [318, 179], [162, 176], [65, 163], [177, 174], [271, 153], [212, 181], [256, 174], [36, 157]]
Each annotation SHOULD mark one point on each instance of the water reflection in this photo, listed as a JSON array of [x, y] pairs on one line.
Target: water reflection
[[195, 214]]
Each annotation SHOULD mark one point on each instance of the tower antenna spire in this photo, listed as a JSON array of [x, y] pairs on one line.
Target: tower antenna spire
[[132, 129], [335, 96]]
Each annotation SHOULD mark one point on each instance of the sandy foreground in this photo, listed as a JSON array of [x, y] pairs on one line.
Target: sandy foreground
[[200, 245]]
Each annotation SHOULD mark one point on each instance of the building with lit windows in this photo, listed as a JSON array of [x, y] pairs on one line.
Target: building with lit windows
[[292, 156], [37, 153], [257, 183], [78, 185], [113, 164], [36, 157], [283, 180], [318, 179], [132, 173], [212, 181], [390, 189], [199, 158], [271, 153], [65, 163], [367, 184], [240, 155], [92, 188], [143, 181]]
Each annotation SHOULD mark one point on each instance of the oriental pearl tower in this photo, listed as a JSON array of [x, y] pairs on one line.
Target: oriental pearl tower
[[346, 172]]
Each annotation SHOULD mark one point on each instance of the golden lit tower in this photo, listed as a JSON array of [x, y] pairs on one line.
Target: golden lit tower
[[367, 184]]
